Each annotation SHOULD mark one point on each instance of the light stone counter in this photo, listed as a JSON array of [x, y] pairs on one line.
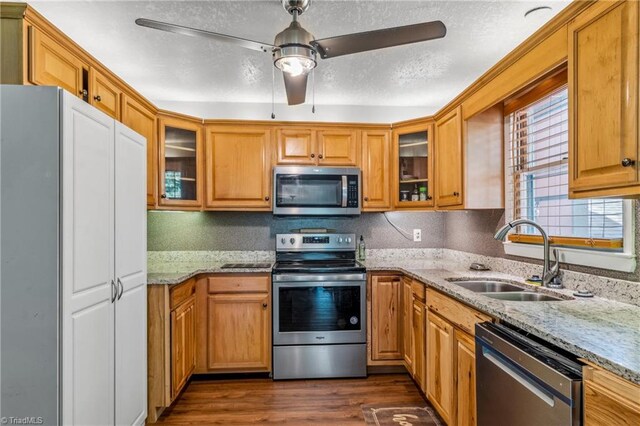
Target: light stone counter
[[604, 331]]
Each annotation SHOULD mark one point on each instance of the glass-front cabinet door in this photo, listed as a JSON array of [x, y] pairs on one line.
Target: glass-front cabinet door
[[413, 169], [180, 162]]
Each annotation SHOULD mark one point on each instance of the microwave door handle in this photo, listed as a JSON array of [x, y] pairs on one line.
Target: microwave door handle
[[344, 191]]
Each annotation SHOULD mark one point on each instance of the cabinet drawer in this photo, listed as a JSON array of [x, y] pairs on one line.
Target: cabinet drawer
[[607, 393], [459, 314], [418, 289], [182, 292], [239, 283]]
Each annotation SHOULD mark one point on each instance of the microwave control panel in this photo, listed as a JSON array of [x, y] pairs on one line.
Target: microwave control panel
[[352, 191]]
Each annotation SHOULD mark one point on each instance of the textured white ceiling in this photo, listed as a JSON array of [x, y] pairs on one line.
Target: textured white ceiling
[[171, 67]]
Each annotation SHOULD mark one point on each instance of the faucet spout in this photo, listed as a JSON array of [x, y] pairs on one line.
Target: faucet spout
[[548, 272]]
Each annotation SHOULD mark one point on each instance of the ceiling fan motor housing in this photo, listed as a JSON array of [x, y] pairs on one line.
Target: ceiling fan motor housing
[[294, 41], [296, 5]]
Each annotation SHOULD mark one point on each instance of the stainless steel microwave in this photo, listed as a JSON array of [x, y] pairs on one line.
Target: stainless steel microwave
[[316, 191]]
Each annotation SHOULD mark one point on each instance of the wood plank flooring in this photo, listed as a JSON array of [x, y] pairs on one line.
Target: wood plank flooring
[[308, 402]]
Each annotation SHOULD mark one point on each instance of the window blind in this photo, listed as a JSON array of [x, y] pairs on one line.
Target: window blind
[[538, 180]]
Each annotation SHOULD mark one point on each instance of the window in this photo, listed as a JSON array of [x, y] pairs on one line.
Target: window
[[536, 137]]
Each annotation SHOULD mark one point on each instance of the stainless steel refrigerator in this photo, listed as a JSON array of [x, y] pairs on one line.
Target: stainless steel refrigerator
[[72, 262]]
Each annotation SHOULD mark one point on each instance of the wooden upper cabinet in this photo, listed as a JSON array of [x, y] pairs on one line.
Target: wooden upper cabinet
[[238, 167], [449, 159], [296, 146], [142, 120], [386, 336], [603, 100], [51, 64], [440, 368], [181, 162], [104, 94], [376, 152], [412, 166], [338, 147]]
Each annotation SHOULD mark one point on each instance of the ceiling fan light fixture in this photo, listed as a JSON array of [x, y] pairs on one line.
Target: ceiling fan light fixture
[[295, 60]]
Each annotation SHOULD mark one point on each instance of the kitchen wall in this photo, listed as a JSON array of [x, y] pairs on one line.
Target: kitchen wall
[[472, 231], [169, 231]]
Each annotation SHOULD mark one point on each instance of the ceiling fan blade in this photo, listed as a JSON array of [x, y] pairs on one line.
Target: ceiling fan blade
[[296, 88], [193, 32], [379, 39]]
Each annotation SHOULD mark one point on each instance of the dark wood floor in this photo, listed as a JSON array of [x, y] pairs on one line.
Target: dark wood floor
[[318, 402]]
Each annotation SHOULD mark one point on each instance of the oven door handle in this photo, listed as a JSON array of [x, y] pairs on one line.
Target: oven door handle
[[320, 279], [345, 191]]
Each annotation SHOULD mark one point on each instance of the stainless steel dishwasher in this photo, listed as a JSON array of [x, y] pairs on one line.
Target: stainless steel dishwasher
[[522, 381]]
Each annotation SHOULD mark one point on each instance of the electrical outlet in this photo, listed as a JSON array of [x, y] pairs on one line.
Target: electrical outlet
[[417, 235]]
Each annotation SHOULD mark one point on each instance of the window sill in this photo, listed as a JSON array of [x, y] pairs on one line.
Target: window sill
[[625, 262]]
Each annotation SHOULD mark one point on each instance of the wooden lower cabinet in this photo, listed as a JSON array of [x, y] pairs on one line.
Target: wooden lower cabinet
[[407, 314], [465, 386], [418, 338], [238, 329], [233, 323], [609, 399], [183, 360], [386, 335], [440, 365]]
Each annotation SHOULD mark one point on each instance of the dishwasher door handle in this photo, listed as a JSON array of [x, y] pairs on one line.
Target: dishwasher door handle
[[529, 384]]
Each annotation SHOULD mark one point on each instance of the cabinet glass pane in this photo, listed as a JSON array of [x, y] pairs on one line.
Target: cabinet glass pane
[[413, 166], [180, 164]]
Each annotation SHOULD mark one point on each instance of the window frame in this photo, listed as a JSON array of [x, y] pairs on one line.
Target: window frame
[[599, 253]]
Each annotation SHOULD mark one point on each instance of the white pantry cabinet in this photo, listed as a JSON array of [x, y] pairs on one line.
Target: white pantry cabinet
[[74, 209]]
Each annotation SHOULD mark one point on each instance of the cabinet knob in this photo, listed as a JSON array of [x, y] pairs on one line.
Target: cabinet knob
[[264, 305], [366, 198], [429, 197], [313, 155], [266, 198], [97, 98], [627, 162], [163, 196], [320, 156], [455, 194], [83, 92]]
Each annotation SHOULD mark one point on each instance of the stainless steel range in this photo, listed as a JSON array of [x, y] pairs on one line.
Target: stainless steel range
[[319, 307]]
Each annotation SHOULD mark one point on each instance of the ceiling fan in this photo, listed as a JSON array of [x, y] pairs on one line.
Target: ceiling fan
[[295, 50]]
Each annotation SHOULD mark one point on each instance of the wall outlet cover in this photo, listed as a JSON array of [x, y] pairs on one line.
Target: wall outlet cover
[[417, 235]]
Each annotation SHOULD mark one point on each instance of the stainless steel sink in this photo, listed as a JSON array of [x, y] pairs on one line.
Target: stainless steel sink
[[523, 296], [480, 286]]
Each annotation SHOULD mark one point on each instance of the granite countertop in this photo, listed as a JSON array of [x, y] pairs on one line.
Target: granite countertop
[[602, 331]]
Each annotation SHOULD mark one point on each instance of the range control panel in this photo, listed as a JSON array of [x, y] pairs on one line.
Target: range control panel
[[315, 242]]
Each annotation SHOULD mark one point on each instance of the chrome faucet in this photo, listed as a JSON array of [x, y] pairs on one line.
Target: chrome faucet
[[549, 273]]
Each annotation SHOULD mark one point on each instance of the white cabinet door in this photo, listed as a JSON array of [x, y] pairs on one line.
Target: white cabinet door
[[87, 264], [131, 275]]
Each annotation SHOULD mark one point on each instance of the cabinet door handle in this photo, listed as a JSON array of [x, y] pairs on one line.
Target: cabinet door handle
[[264, 306], [121, 288], [627, 162], [97, 98], [455, 194], [313, 155], [113, 293], [266, 198]]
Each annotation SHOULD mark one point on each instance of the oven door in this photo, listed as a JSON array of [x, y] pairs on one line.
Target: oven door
[[316, 309], [316, 191]]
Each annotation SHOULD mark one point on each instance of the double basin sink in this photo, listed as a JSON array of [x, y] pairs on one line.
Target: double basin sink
[[504, 291]]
